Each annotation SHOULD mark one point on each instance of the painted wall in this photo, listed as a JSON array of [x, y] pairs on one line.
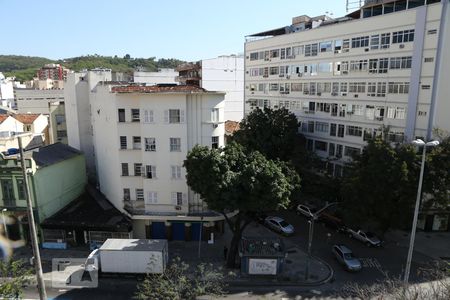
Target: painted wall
[[152, 78]]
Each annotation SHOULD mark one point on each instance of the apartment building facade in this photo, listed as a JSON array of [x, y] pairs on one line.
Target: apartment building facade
[[52, 71], [224, 73], [141, 136], [378, 71]]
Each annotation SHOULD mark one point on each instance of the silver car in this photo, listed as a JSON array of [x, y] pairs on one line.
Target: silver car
[[345, 256], [280, 225]]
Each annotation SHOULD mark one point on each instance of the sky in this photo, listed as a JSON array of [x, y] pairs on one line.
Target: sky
[[184, 29]]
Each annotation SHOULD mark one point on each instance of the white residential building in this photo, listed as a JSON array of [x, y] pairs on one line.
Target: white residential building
[[151, 78], [380, 70], [223, 73], [46, 102], [6, 91]]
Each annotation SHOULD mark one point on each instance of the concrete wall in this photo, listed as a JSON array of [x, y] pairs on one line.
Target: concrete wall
[[152, 78]]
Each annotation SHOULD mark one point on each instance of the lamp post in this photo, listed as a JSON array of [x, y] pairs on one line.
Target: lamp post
[[4, 223], [314, 217], [419, 143], [200, 237]]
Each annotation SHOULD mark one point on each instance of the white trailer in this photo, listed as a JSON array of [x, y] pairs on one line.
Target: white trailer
[[130, 256]]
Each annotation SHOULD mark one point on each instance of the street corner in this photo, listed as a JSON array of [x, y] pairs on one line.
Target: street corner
[[69, 273]]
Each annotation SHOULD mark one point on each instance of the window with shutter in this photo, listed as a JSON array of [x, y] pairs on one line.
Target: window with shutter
[[166, 116]]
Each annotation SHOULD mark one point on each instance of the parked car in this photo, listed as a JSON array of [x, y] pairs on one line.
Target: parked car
[[306, 210], [366, 237], [279, 224], [345, 257], [333, 222]]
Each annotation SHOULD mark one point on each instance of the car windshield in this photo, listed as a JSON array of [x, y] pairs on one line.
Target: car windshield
[[284, 224], [348, 255]]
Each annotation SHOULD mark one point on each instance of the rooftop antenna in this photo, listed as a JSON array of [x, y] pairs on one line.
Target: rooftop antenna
[[354, 5]]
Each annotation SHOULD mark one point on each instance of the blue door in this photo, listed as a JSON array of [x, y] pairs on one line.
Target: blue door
[[195, 231], [158, 230], [178, 231]]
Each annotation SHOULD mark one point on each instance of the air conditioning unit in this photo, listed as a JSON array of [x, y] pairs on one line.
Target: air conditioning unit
[[334, 94], [290, 56], [343, 94], [281, 75], [401, 46], [356, 95], [345, 72], [177, 207], [288, 77], [253, 93], [265, 76], [319, 94], [267, 59], [215, 125], [366, 49], [300, 74], [345, 50], [337, 51]]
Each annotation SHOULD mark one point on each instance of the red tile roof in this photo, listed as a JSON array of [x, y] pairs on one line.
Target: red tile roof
[[231, 127], [26, 118], [158, 89], [3, 118]]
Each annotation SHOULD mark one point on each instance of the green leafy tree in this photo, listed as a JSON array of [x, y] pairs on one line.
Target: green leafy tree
[[181, 282], [14, 276], [379, 189], [231, 179]]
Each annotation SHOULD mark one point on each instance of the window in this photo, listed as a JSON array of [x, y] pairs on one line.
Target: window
[[338, 151], [426, 86], [298, 50], [274, 70], [274, 53], [254, 56], [432, 31], [385, 40], [296, 87], [140, 194], [175, 144], [358, 65], [332, 129], [273, 87], [320, 146], [150, 144], [428, 59], [400, 62], [121, 114], [400, 113], [325, 46], [373, 65], [135, 115], [357, 87], [125, 169], [351, 151], [342, 110], [176, 172], [174, 116], [403, 36], [375, 42], [136, 142], [138, 169], [383, 65], [123, 142], [370, 112], [358, 110], [60, 119], [381, 89], [215, 142], [311, 50], [148, 116], [362, 41], [344, 86], [341, 129], [422, 113], [337, 46], [371, 89], [61, 134], [322, 127], [334, 109], [346, 45], [331, 149], [398, 87], [177, 198], [126, 194], [325, 67], [150, 171], [390, 113], [215, 115], [20, 189], [354, 131], [152, 198]]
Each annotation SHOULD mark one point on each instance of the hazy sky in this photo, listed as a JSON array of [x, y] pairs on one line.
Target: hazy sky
[[184, 29]]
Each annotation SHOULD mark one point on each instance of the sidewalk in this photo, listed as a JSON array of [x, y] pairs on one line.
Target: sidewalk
[[432, 244]]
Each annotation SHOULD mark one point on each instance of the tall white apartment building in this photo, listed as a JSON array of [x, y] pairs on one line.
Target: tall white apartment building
[[164, 75], [139, 136], [224, 73], [380, 70]]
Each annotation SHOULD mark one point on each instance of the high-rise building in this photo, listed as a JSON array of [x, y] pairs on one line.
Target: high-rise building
[[53, 72], [381, 70]]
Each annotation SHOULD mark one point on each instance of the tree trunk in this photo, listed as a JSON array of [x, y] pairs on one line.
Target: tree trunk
[[234, 247]]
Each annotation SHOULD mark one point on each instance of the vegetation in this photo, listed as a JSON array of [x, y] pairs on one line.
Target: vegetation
[[179, 282], [25, 67], [232, 179], [14, 275]]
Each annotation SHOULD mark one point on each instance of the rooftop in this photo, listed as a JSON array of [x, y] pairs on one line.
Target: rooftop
[[91, 210], [52, 154], [264, 247], [26, 118], [3, 117], [158, 89], [134, 245]]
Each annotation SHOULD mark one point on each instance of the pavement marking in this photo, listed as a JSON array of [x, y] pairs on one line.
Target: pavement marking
[[369, 262]]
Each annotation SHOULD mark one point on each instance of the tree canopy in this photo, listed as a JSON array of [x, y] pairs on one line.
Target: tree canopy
[[231, 179]]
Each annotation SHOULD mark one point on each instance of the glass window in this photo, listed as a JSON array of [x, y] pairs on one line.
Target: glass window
[[325, 46], [174, 116], [125, 169], [150, 144], [138, 169], [136, 142], [135, 115], [126, 194], [337, 46], [385, 40], [20, 189], [175, 144], [140, 194], [123, 142], [215, 142], [121, 114], [176, 172], [375, 42], [150, 171]]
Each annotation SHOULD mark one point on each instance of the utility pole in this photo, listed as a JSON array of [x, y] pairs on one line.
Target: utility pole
[[34, 241], [200, 237]]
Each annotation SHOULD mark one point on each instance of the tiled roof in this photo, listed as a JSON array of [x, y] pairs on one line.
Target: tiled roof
[[231, 127], [158, 89], [26, 118], [3, 118]]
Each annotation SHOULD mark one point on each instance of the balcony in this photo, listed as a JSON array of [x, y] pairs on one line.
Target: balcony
[[138, 207]]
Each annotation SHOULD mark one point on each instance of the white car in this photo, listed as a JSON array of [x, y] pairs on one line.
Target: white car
[[280, 225], [306, 210], [368, 238], [345, 256]]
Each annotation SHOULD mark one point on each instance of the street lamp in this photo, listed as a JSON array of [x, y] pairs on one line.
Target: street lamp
[[418, 143], [314, 217], [4, 223]]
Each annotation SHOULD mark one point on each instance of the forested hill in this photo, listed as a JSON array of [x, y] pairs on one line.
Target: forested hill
[[24, 67]]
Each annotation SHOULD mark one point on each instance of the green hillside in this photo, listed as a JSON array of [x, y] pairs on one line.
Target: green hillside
[[24, 67]]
